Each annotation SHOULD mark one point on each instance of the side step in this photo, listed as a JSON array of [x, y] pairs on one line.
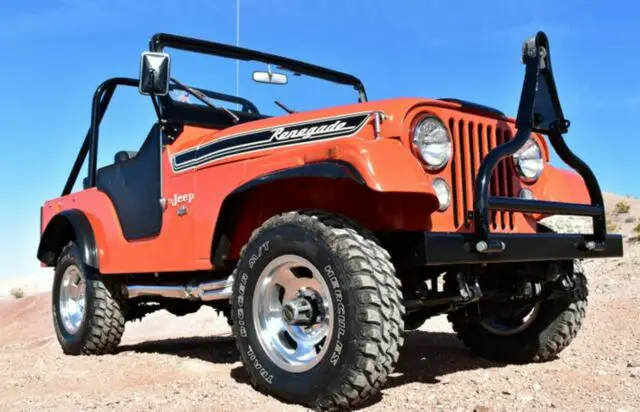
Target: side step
[[207, 291]]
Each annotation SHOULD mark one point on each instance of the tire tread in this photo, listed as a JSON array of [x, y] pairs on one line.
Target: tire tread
[[379, 307], [105, 326], [556, 333]]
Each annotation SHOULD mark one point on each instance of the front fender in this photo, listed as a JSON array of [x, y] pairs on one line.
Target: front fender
[[384, 165], [561, 185]]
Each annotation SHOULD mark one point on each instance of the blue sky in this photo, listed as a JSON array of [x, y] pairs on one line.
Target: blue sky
[[56, 52]]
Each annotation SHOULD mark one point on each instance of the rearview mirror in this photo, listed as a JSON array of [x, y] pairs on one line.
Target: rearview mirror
[[270, 77], [154, 74]]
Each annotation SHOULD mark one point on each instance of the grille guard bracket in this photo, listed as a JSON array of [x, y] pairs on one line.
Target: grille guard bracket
[[539, 111]]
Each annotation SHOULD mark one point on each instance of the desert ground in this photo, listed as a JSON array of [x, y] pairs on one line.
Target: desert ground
[[190, 363]]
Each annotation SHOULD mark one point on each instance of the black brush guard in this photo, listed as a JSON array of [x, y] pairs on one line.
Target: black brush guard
[[539, 111]]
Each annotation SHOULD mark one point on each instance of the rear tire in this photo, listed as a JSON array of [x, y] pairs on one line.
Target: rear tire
[[556, 323], [362, 345], [88, 312]]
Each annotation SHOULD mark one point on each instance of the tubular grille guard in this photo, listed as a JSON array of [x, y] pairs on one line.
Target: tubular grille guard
[[539, 111]]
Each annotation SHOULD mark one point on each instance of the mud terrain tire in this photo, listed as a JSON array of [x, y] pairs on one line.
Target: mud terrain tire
[[554, 328], [101, 324], [365, 293]]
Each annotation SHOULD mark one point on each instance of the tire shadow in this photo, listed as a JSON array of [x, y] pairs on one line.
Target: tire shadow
[[425, 357], [214, 349]]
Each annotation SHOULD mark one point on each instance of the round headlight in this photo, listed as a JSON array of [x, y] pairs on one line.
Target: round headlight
[[528, 160], [432, 141]]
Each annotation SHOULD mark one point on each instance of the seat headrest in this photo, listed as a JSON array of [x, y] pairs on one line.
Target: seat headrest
[[123, 156]]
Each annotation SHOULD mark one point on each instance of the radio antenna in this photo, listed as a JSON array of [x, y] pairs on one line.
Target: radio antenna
[[238, 44]]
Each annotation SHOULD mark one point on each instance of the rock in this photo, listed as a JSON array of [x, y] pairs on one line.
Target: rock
[[537, 387], [633, 364], [507, 392], [17, 293], [481, 408]]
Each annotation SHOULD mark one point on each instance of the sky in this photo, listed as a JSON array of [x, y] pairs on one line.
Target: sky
[[55, 53]]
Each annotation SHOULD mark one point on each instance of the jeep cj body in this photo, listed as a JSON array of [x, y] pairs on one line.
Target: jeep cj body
[[324, 235]]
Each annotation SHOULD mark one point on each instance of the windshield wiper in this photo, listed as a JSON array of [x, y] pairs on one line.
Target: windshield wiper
[[285, 108], [204, 99]]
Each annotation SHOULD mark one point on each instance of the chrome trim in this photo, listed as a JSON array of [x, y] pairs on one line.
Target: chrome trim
[[208, 291]]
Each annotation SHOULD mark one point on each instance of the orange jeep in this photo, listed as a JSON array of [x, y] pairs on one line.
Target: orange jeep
[[323, 236]]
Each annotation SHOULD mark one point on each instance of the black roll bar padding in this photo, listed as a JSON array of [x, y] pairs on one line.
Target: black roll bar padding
[[84, 149], [101, 98], [161, 40], [538, 89], [98, 108]]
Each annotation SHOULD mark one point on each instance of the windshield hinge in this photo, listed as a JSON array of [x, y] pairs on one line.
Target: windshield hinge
[[378, 118]]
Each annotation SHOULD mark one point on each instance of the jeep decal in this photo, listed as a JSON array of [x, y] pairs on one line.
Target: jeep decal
[[282, 135]]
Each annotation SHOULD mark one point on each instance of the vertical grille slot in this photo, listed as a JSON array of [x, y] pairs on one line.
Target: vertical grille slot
[[507, 183], [468, 174], [456, 175]]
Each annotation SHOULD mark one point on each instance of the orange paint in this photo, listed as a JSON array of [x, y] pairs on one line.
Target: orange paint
[[398, 193]]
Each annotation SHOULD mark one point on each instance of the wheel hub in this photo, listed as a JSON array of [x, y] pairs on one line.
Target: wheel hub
[[292, 312], [299, 311], [72, 299]]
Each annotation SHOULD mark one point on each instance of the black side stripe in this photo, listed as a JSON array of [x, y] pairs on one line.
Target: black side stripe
[[285, 135]]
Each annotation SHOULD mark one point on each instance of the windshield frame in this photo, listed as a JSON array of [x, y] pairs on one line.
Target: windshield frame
[[161, 40]]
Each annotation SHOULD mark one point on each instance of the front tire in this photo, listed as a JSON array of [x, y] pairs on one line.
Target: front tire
[[555, 323], [88, 313], [349, 282]]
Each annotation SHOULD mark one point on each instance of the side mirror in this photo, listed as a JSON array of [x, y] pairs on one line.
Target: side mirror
[[155, 73], [270, 77]]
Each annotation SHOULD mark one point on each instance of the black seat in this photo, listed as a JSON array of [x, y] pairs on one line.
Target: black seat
[[123, 156]]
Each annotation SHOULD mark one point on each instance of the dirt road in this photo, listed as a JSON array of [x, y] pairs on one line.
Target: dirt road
[[168, 363], [190, 363]]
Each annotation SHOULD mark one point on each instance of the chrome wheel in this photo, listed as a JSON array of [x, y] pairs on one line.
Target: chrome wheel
[[72, 299], [513, 323], [293, 313]]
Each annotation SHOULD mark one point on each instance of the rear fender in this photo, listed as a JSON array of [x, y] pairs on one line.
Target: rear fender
[[62, 228]]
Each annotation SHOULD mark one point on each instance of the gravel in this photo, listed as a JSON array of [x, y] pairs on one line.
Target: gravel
[[190, 363]]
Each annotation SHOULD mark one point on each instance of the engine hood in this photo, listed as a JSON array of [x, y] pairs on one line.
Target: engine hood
[[327, 123]]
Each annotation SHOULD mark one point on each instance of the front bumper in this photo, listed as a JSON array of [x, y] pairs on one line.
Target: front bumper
[[429, 248]]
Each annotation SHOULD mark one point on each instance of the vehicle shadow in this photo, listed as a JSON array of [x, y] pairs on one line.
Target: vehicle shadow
[[426, 357], [214, 349]]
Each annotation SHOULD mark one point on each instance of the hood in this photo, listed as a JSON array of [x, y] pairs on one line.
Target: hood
[[328, 122]]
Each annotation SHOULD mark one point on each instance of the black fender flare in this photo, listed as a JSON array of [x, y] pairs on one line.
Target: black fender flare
[[330, 169], [68, 225]]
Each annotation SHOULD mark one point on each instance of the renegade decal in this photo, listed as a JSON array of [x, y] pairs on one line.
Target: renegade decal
[[282, 135]]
